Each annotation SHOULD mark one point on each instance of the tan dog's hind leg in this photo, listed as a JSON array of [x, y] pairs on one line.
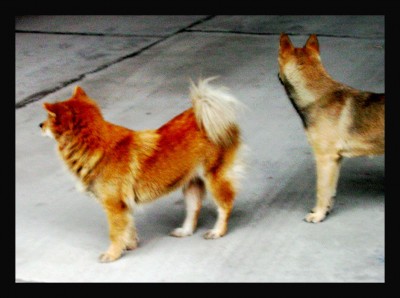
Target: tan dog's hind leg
[[194, 193], [121, 228], [328, 169]]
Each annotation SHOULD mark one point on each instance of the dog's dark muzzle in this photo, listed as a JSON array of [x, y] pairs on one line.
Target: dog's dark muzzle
[[41, 125]]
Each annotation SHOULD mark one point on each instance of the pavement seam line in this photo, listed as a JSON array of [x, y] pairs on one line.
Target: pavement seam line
[[39, 95], [87, 33], [277, 34]]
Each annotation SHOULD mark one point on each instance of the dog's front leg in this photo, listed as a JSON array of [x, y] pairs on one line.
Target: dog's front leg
[[328, 167], [121, 229]]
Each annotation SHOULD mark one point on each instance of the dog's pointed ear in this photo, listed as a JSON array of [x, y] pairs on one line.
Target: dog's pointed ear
[[285, 44], [79, 93], [312, 43], [50, 108]]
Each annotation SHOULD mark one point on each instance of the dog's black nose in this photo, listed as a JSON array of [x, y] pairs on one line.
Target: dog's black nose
[[40, 125]]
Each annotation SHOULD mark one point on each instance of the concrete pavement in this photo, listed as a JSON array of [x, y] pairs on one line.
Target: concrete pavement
[[138, 69]]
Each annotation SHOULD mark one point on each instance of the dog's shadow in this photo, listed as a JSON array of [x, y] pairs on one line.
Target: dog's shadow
[[160, 218], [361, 184]]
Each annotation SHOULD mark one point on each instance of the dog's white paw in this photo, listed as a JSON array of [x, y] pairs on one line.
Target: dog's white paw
[[316, 215], [181, 232], [213, 234], [107, 257]]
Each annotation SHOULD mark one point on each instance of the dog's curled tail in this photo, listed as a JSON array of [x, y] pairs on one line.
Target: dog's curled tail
[[215, 111]]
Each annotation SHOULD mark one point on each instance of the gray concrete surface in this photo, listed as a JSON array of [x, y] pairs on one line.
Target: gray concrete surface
[[355, 26], [140, 77]]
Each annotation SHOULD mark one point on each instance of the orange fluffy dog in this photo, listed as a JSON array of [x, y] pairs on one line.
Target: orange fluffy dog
[[122, 167]]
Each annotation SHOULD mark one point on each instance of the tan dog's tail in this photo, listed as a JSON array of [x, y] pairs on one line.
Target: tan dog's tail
[[215, 111]]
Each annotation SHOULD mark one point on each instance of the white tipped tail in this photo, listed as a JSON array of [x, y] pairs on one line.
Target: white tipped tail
[[215, 111]]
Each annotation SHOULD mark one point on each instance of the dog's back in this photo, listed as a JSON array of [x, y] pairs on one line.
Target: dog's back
[[362, 123]]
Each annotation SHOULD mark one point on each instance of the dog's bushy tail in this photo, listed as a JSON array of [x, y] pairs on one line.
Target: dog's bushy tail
[[215, 110]]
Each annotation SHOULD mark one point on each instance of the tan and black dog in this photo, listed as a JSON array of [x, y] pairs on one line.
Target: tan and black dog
[[340, 121]]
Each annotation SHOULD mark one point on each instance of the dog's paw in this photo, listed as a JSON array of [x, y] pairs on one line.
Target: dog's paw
[[213, 234], [181, 232], [107, 257], [132, 245], [316, 216], [328, 209]]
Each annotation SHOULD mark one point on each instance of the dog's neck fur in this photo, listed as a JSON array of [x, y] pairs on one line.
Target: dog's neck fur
[[80, 160], [82, 149], [304, 86]]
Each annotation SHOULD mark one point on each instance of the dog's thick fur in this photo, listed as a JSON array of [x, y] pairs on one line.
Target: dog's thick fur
[[122, 167], [339, 121]]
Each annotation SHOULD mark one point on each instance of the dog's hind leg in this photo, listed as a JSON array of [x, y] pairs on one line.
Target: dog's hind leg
[[223, 190], [193, 192], [224, 195], [328, 168], [121, 228]]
